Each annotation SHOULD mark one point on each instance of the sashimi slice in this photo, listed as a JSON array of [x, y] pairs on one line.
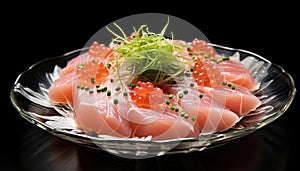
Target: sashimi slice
[[80, 70], [96, 51], [160, 126], [156, 120], [71, 65], [94, 110], [236, 73], [97, 113], [238, 99], [210, 115], [61, 89], [232, 71]]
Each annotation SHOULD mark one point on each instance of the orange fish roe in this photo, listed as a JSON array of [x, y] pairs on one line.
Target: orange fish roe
[[141, 94], [206, 73], [200, 46], [99, 51]]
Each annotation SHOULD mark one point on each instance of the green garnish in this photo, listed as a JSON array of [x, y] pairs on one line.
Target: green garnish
[[225, 58], [108, 65], [206, 56], [101, 89], [80, 66], [168, 102], [176, 109], [182, 113], [172, 108], [149, 56], [98, 90], [185, 92], [200, 96], [186, 116], [187, 73], [108, 93], [118, 88], [180, 95], [219, 60], [229, 85], [171, 96], [116, 101], [93, 80]]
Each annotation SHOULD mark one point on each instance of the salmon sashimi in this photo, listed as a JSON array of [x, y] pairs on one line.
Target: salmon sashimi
[[237, 73], [210, 115], [71, 66], [235, 97], [97, 113], [153, 116], [160, 126], [232, 71], [61, 90], [147, 85]]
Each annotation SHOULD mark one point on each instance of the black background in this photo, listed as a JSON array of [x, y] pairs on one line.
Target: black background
[[43, 31]]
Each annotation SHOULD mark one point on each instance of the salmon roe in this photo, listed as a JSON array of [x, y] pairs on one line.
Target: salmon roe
[[99, 51], [143, 92], [206, 73], [198, 46], [91, 72], [94, 71]]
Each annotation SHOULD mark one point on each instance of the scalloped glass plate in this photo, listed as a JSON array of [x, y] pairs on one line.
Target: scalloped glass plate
[[29, 96]]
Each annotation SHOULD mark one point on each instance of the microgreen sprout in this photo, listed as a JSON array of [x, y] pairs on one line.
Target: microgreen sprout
[[149, 55]]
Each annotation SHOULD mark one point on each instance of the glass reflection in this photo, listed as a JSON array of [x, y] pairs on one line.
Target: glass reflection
[[263, 150]]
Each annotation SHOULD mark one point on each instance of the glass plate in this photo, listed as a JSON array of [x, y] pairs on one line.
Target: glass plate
[[29, 96]]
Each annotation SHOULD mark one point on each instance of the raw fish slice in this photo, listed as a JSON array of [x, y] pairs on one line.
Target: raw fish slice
[[160, 126], [61, 89], [160, 123], [96, 112], [210, 115], [239, 100], [237, 73], [72, 65]]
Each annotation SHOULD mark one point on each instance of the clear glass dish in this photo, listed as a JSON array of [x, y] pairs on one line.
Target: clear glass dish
[[29, 97]]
